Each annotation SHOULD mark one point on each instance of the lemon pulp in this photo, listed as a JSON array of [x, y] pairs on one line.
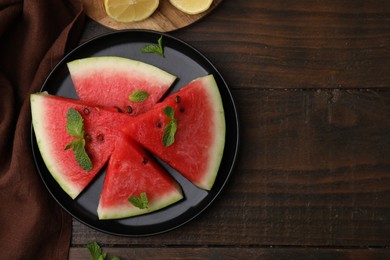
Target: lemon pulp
[[130, 10], [192, 6]]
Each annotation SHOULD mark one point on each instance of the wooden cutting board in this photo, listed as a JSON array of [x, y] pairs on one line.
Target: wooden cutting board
[[166, 18]]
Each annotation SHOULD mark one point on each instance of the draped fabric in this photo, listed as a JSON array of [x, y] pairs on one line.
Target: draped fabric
[[34, 36]]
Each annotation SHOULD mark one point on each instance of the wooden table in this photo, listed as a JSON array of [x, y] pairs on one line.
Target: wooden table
[[311, 80]]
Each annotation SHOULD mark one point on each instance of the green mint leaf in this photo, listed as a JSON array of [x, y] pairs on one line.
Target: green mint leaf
[[72, 144], [75, 128], [82, 158], [169, 112], [144, 199], [159, 42], [138, 96], [135, 201], [95, 250], [81, 155], [140, 201], [169, 133], [74, 123], [170, 128], [157, 49], [152, 49], [97, 253]]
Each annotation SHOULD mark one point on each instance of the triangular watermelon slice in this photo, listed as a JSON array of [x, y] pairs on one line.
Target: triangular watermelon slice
[[200, 137], [49, 118], [131, 172], [110, 81]]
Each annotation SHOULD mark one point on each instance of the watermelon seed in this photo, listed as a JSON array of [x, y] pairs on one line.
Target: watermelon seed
[[119, 109], [87, 137], [177, 99], [100, 137], [145, 160], [86, 111], [159, 125], [129, 109], [182, 110]]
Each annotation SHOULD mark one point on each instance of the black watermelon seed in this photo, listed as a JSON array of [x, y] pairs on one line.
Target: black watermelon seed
[[100, 137], [145, 160], [87, 137], [119, 109], [129, 109], [86, 111]]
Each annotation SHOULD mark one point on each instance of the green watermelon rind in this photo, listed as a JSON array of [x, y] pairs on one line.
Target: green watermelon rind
[[131, 211], [85, 65], [218, 147], [44, 145]]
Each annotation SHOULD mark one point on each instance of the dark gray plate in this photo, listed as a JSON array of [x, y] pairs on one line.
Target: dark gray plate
[[186, 63]]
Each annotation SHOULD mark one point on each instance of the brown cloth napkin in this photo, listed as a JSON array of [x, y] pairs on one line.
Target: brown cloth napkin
[[34, 36]]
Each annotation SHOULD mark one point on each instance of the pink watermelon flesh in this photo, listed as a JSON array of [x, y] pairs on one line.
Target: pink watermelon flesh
[[109, 81], [131, 171], [200, 137], [49, 122]]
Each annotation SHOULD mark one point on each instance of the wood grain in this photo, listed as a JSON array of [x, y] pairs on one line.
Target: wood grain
[[311, 81], [166, 18], [235, 253], [301, 45]]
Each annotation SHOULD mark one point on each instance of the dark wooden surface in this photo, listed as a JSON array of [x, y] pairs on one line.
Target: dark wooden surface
[[311, 80]]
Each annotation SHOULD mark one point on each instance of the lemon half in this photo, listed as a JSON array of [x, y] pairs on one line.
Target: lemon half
[[126, 11], [192, 6]]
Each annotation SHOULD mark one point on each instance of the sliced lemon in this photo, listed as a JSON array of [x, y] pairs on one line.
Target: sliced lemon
[[191, 6], [126, 11]]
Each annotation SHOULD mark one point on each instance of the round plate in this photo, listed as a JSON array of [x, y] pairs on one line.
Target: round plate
[[166, 18], [186, 63]]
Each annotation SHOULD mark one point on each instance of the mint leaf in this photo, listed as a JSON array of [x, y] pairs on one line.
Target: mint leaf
[[152, 49], [135, 201], [82, 158], [74, 123], [72, 144], [157, 49], [169, 133], [138, 96], [75, 128], [81, 155], [95, 250], [144, 198], [159, 42], [170, 128], [169, 112], [97, 253], [140, 201]]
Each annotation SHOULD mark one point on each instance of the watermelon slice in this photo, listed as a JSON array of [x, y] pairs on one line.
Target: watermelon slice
[[131, 172], [200, 137], [49, 118], [109, 81]]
